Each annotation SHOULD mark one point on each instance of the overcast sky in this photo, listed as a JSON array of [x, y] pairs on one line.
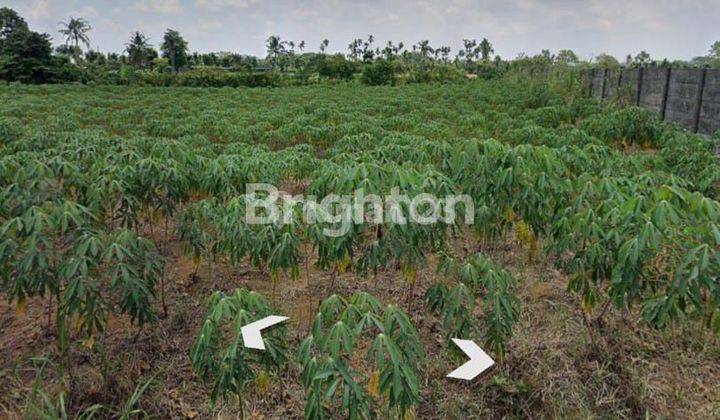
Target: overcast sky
[[665, 28]]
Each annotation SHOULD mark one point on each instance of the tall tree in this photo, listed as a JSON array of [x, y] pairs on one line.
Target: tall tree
[[425, 48], [715, 50], [642, 58], [323, 45], [276, 50], [391, 50], [444, 53], [607, 61], [355, 48], [139, 49], [469, 51], [175, 49], [25, 56], [367, 52], [566, 57], [10, 22], [75, 31], [486, 49]]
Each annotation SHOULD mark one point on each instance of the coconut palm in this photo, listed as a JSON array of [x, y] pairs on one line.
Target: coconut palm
[[139, 49], [324, 45], [275, 46], [425, 48], [75, 31]]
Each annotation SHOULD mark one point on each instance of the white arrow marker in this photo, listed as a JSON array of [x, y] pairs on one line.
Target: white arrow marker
[[251, 332], [478, 363]]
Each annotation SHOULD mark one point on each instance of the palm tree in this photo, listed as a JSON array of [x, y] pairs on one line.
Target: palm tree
[[355, 48], [138, 49], [275, 46], [76, 30], [367, 50], [323, 46], [275, 49], [425, 48], [471, 49]]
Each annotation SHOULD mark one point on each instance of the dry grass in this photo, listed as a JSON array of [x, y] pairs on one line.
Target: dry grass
[[552, 370]]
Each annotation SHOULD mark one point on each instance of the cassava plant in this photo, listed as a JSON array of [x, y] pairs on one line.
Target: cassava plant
[[386, 383], [477, 278], [218, 354]]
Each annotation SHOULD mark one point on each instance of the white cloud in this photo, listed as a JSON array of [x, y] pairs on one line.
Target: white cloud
[[381, 17], [219, 4], [39, 9], [85, 12], [210, 25], [158, 6]]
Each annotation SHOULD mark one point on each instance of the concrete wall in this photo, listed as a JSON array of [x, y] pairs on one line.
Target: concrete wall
[[612, 83], [689, 97], [684, 97], [629, 83], [654, 83], [710, 109], [596, 83]]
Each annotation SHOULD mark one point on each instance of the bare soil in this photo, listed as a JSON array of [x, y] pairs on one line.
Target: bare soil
[[552, 369]]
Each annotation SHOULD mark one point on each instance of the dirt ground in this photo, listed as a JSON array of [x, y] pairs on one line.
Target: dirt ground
[[551, 370]]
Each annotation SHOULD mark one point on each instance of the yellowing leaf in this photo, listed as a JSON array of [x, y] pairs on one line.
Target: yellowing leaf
[[409, 272], [21, 307], [263, 383], [374, 385], [90, 342], [343, 264], [409, 414]]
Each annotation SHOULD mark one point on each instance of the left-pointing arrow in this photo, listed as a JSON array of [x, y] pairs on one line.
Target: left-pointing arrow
[[478, 363], [251, 332]]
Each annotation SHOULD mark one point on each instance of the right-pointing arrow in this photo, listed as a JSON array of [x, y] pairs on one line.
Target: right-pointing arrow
[[478, 363]]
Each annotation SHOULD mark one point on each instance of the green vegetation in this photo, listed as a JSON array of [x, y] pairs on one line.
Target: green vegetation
[[27, 57], [219, 355], [340, 327], [108, 193]]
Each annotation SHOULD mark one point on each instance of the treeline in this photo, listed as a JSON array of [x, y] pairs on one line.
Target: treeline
[[28, 57]]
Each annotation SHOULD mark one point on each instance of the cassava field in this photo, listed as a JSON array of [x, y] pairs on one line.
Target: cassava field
[[590, 272]]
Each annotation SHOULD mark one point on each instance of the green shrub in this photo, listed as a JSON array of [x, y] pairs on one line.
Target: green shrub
[[382, 72], [488, 71], [627, 126], [336, 67], [441, 73], [213, 77]]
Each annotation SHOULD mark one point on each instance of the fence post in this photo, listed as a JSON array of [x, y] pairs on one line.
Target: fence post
[[604, 82], [592, 76], [640, 80], [665, 93], [701, 88]]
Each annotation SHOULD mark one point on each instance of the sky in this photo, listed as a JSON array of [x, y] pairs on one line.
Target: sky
[[676, 29]]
